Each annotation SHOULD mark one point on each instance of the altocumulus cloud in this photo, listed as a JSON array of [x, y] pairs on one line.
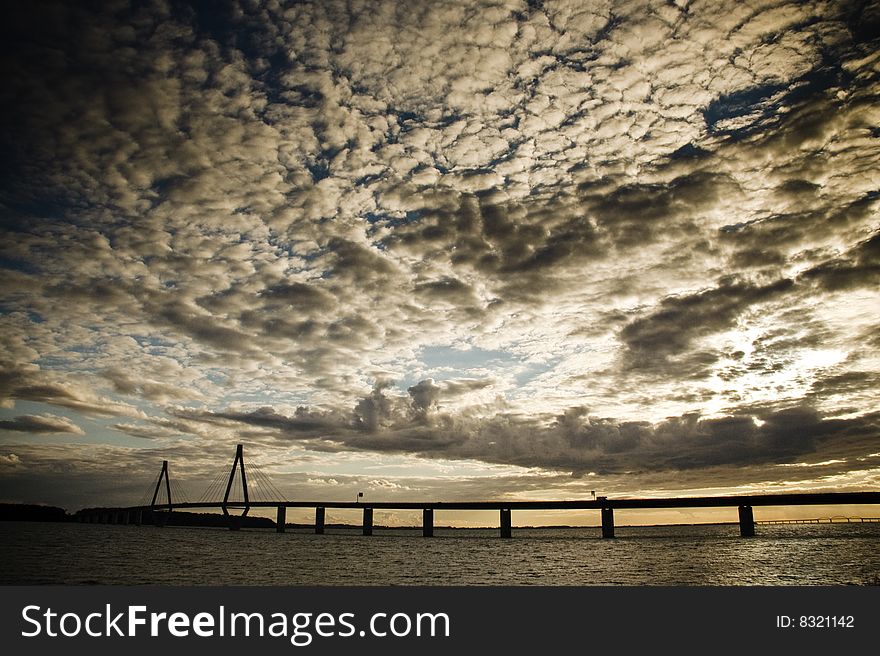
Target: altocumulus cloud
[[562, 236]]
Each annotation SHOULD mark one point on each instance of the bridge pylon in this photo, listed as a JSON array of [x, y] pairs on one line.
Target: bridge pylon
[[234, 522], [158, 518]]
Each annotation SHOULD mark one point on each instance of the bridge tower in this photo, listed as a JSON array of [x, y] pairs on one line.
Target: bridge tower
[[235, 521], [159, 518]]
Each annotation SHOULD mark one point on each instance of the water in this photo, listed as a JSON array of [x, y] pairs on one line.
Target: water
[[824, 554]]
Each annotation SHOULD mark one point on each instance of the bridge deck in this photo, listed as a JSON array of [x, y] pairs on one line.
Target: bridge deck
[[806, 499]]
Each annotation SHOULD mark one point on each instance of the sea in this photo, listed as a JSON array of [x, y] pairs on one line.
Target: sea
[[36, 553]]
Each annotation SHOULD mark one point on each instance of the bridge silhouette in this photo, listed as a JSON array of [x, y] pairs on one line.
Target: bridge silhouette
[[835, 519], [240, 494]]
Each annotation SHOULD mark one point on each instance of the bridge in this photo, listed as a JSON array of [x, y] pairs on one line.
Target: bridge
[[239, 495], [836, 519]]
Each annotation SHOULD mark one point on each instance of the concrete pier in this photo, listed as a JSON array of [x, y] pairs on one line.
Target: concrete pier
[[428, 522], [319, 520], [607, 522], [139, 517], [234, 522], [281, 519], [368, 521], [505, 523], [746, 522]]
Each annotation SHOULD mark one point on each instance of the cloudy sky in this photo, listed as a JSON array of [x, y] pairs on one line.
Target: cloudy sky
[[457, 250]]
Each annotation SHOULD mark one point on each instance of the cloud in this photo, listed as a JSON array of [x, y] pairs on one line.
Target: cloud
[[576, 440], [10, 462], [30, 384], [146, 432], [452, 388], [665, 213], [425, 396], [41, 424], [860, 267], [671, 328]]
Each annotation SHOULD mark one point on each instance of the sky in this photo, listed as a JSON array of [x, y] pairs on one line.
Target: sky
[[440, 251]]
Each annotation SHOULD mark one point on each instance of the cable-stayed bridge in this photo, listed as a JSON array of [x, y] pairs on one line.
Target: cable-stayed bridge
[[247, 486]]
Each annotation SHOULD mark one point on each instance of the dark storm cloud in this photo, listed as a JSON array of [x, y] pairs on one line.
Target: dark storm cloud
[[266, 417], [514, 243], [201, 326], [849, 383], [425, 397], [860, 267], [30, 384], [454, 388], [125, 383], [447, 289], [301, 296], [354, 261], [679, 320], [574, 441], [776, 235], [634, 214], [374, 412], [41, 424]]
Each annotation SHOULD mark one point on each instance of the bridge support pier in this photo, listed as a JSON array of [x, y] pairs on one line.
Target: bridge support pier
[[428, 522], [319, 520], [505, 523], [368, 521], [746, 522], [126, 517], [139, 517], [607, 522], [234, 522], [160, 519], [281, 519]]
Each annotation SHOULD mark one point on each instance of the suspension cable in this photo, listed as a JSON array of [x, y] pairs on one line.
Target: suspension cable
[[211, 494], [273, 489], [179, 491], [148, 496]]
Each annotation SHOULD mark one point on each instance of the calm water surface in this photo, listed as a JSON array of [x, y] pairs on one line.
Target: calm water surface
[[38, 553]]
